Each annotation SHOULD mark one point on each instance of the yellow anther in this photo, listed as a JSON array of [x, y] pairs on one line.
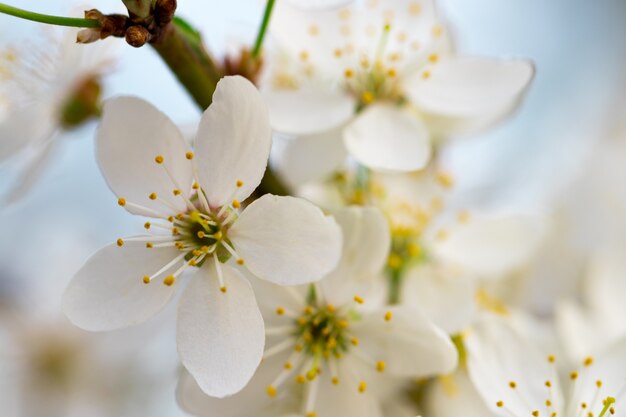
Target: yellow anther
[[179, 245], [367, 97], [280, 311], [512, 384], [583, 405], [304, 56], [358, 299], [437, 31], [535, 413], [343, 323], [298, 348], [573, 376], [189, 155], [394, 261], [170, 219], [195, 186], [146, 225], [240, 261], [149, 245], [599, 383], [169, 280], [200, 234], [415, 9], [354, 341], [335, 380], [192, 262], [311, 374], [174, 231], [152, 196], [500, 403], [362, 387], [205, 249], [391, 72], [176, 191], [588, 361], [236, 204], [311, 414], [433, 58], [159, 159], [146, 280], [548, 403], [308, 310], [330, 308], [337, 52], [217, 235], [121, 201], [271, 390], [388, 316], [314, 30], [348, 73], [426, 74], [414, 250], [548, 384], [344, 14], [239, 183], [551, 358], [380, 366], [445, 179], [612, 410], [223, 290], [120, 242], [300, 379]]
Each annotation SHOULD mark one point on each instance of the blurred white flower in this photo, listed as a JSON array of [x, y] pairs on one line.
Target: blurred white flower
[[332, 348], [47, 89], [195, 202], [515, 378], [381, 74]]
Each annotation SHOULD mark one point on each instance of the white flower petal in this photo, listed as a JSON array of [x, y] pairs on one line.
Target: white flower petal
[[496, 356], [220, 336], [491, 245], [286, 240], [471, 89], [446, 297], [453, 396], [25, 126], [131, 134], [366, 243], [108, 291], [233, 141], [307, 111], [388, 138], [409, 343], [319, 4], [249, 402]]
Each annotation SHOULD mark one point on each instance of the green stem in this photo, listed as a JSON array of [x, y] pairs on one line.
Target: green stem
[[52, 20], [395, 279], [263, 29]]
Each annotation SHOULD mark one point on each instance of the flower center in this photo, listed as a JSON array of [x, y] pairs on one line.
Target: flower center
[[323, 331]]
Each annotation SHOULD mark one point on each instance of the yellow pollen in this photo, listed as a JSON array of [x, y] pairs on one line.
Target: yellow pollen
[[391, 72], [367, 97], [120, 242], [415, 9], [330, 308], [271, 390], [348, 73], [599, 383], [548, 384], [433, 58], [362, 387], [445, 179], [195, 186], [176, 191], [149, 245], [280, 311], [146, 280], [388, 316], [380, 366], [217, 235], [200, 234], [311, 374], [358, 299], [174, 230], [169, 280], [288, 365], [189, 155], [311, 414], [298, 348], [146, 225], [394, 261], [512, 384], [239, 183], [180, 245], [588, 361], [414, 250], [463, 216], [304, 56], [308, 310], [300, 379], [548, 403], [500, 404], [437, 31], [535, 413], [236, 204], [205, 249], [159, 159], [573, 376], [354, 341], [551, 358], [335, 380], [426, 74], [192, 262], [170, 219], [343, 323], [337, 53], [223, 290], [152, 196], [314, 30], [240, 261], [121, 201], [583, 405]]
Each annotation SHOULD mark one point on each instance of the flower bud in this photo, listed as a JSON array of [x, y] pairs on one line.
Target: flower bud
[[138, 9], [137, 36]]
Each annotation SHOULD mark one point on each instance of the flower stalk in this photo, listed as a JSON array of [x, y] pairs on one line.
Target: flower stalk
[[269, 7], [49, 19]]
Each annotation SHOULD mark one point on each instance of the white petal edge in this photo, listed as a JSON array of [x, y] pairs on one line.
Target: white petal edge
[[108, 292], [233, 141], [131, 135], [388, 138], [220, 335], [287, 240]]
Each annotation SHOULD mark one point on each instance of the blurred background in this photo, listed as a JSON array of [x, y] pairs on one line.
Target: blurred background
[[539, 159]]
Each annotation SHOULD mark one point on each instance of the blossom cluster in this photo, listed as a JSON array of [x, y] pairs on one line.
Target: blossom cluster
[[362, 285]]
